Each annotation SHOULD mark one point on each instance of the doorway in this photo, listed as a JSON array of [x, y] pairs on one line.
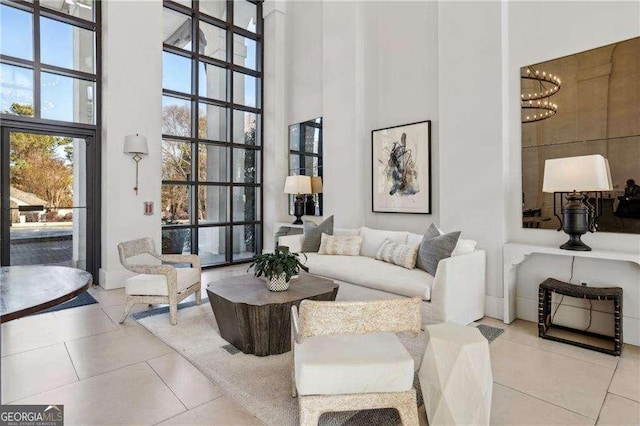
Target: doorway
[[49, 195]]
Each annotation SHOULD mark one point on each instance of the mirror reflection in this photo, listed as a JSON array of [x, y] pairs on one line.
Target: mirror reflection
[[305, 159], [583, 104]]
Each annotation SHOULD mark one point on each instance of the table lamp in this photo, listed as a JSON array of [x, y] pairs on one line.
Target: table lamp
[[316, 188], [298, 186], [576, 176]]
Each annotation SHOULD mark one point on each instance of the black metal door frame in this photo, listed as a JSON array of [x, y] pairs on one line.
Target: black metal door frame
[[93, 173]]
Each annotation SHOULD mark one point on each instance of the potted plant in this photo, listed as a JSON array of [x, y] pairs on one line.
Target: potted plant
[[278, 267]]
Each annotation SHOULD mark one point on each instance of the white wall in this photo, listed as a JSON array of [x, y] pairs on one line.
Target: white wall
[[132, 103], [401, 86], [471, 140]]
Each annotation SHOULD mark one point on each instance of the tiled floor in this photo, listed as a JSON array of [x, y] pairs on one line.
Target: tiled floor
[[106, 373]]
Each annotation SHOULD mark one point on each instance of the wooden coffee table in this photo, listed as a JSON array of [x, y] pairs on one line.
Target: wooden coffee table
[[256, 320]]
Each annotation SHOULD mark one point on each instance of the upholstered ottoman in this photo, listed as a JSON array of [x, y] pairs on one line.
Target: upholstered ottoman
[[455, 376]]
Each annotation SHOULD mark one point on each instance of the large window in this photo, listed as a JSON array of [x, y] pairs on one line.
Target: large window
[[48, 60], [211, 126], [50, 133]]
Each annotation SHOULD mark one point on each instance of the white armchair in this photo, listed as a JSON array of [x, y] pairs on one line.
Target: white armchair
[[347, 357], [159, 283]]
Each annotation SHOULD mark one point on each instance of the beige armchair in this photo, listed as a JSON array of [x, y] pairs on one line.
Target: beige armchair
[[347, 357], [159, 283]]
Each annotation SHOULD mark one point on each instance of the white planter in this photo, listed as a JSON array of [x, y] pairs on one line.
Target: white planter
[[278, 283]]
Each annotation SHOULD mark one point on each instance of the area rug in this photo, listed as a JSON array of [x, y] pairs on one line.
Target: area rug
[[82, 300], [261, 384]]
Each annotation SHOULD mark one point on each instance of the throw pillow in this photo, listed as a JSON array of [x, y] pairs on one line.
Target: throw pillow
[[344, 246], [462, 247], [372, 240], [398, 254], [433, 249], [313, 232]]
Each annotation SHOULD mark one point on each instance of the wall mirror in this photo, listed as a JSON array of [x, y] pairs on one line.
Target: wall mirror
[[305, 159], [583, 104]]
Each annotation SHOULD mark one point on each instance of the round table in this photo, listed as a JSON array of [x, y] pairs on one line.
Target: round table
[[258, 321], [25, 290]]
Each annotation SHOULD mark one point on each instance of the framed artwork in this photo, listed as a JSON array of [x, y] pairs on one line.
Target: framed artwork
[[401, 169]]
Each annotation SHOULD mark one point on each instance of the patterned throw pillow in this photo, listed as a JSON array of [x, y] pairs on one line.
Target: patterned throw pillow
[[345, 246], [399, 254], [435, 247]]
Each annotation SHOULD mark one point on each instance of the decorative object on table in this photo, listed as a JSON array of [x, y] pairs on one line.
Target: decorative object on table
[[576, 177], [278, 267], [545, 318], [313, 233], [136, 145], [534, 97], [316, 188], [330, 373], [158, 283], [455, 376], [298, 186], [242, 306], [401, 169]]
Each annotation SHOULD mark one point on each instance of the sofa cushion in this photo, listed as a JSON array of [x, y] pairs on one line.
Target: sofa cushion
[[346, 364], [344, 232], [334, 245], [372, 240], [156, 285], [435, 248], [398, 254], [313, 233], [371, 273]]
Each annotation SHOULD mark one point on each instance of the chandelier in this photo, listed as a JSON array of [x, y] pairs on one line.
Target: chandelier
[[536, 105]]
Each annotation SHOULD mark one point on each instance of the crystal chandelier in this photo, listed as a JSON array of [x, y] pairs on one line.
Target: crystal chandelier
[[536, 105]]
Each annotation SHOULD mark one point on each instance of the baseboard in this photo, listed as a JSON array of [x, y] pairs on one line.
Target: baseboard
[[493, 307], [110, 280]]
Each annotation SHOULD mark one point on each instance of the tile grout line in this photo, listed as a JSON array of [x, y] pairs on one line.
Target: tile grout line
[[624, 397], [560, 353], [548, 402], [605, 395], [71, 359], [168, 387]]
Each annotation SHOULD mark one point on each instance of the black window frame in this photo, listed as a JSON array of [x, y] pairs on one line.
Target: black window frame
[[302, 155], [193, 183]]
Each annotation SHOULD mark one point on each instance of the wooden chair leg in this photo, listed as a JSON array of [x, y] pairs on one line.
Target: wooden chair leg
[[309, 413], [408, 411], [173, 309], [127, 308], [199, 295]]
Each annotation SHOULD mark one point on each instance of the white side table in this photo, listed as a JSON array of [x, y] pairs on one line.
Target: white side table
[[455, 376]]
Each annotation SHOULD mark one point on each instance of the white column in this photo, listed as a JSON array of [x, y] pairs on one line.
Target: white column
[[132, 103], [275, 142]]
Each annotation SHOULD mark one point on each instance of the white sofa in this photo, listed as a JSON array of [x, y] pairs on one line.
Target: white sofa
[[456, 294]]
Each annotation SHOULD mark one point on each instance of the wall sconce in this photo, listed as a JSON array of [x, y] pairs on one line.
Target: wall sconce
[[136, 145]]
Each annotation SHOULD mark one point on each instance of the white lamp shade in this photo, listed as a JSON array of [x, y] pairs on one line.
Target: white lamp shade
[[316, 185], [297, 185], [135, 144], [580, 174]]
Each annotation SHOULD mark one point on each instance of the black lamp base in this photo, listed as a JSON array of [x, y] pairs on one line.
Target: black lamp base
[[575, 243], [298, 210]]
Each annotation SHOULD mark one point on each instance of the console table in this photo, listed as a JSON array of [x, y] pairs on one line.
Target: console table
[[514, 254]]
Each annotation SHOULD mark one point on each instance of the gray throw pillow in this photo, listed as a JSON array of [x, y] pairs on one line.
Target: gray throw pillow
[[435, 248], [313, 234]]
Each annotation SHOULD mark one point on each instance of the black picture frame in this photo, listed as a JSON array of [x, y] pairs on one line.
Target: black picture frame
[[401, 169]]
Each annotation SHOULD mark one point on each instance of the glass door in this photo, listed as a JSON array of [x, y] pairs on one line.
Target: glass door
[[45, 203]]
